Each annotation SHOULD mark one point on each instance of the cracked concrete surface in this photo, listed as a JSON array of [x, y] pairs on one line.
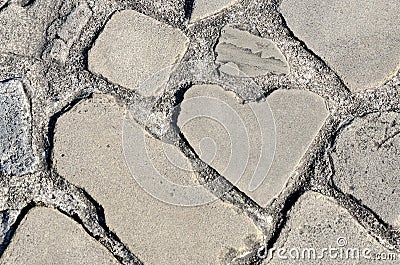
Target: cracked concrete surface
[[340, 151]]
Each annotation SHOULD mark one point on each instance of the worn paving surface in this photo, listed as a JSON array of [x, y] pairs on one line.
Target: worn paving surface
[[199, 132]]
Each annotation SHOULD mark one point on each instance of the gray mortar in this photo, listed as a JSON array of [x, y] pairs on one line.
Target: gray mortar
[[60, 86]]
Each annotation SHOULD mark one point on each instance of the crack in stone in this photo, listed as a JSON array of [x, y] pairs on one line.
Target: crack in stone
[[346, 106]]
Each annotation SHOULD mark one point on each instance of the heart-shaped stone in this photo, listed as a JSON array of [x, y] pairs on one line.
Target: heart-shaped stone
[[256, 146]]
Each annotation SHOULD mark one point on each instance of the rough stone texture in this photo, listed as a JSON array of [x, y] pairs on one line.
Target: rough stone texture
[[46, 237], [357, 38], [8, 218], [170, 11], [60, 84], [70, 31], [242, 54], [163, 171], [317, 222], [22, 29], [137, 52], [366, 160], [205, 8], [256, 145], [89, 153], [16, 153]]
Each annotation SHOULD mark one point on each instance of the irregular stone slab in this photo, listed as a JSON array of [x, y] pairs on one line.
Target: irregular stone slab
[[134, 48], [257, 145], [16, 153], [358, 39], [46, 237], [89, 152], [23, 29], [70, 31], [366, 160], [318, 231], [205, 8], [241, 53]]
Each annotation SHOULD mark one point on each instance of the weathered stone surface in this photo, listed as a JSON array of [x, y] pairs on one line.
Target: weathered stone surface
[[16, 154], [358, 39], [70, 31], [299, 115], [46, 237], [7, 221], [89, 152], [205, 8], [134, 48], [171, 11], [257, 145], [163, 171], [22, 3], [22, 29], [242, 54], [317, 224], [366, 160]]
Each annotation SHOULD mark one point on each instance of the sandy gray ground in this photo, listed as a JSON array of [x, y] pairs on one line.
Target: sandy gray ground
[[49, 159]]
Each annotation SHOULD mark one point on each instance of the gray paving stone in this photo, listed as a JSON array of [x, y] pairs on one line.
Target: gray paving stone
[[22, 29], [318, 225], [256, 146], [46, 237], [205, 8], [358, 39], [134, 48], [16, 153], [242, 54], [366, 160], [89, 152]]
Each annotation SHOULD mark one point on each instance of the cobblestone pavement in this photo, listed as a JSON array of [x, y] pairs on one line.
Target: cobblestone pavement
[[199, 132]]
